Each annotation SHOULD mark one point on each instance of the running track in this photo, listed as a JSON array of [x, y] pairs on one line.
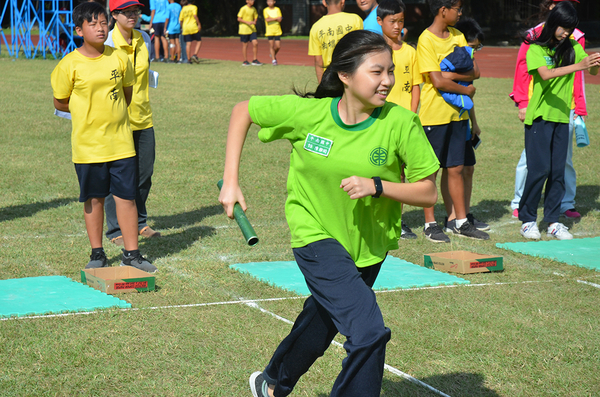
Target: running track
[[497, 62]]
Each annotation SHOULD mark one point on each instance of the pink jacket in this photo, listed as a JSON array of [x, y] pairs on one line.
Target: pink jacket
[[522, 80]]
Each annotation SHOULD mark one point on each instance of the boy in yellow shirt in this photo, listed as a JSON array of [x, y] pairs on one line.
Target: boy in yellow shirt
[[407, 89], [95, 83], [328, 30], [247, 17], [445, 128], [273, 18]]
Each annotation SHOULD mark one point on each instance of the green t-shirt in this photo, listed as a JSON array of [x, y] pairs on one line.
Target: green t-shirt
[[325, 151], [551, 99]]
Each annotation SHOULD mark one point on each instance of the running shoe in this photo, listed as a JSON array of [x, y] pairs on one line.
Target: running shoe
[[559, 231], [407, 234], [477, 223], [572, 213], [97, 260], [258, 385], [530, 230], [435, 234], [138, 261], [469, 230]]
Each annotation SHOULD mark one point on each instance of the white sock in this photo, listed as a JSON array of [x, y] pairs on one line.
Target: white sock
[[459, 222], [428, 224]]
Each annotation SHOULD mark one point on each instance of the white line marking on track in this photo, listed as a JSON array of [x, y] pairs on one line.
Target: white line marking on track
[[588, 283], [391, 369]]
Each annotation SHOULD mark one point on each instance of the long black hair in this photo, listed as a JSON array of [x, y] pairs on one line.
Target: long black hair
[[563, 15], [348, 55]]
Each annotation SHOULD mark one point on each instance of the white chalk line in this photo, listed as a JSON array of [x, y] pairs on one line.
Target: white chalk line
[[254, 304], [192, 305], [388, 367], [588, 283]]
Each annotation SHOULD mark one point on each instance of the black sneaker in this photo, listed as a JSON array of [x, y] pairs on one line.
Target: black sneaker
[[139, 262], [449, 225], [256, 63], [407, 234], [258, 385], [435, 234], [477, 223], [468, 230], [97, 260]]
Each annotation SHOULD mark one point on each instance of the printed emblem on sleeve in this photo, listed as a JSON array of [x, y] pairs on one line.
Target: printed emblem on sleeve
[[318, 145], [378, 156]]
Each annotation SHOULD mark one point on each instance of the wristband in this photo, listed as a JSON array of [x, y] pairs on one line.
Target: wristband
[[378, 187]]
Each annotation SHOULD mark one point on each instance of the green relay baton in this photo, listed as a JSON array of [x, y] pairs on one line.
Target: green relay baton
[[243, 222]]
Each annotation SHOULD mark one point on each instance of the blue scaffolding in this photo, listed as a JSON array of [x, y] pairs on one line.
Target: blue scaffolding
[[52, 18]]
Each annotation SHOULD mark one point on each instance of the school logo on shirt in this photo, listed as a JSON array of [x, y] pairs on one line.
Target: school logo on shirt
[[318, 145], [378, 156], [549, 61]]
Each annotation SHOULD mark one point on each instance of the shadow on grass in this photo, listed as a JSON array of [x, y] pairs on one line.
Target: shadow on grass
[[586, 198], [186, 218], [455, 384], [177, 242], [27, 210]]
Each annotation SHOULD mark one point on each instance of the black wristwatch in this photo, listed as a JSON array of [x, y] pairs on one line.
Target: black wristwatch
[[378, 187]]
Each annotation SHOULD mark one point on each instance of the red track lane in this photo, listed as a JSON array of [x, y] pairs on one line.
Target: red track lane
[[497, 62]]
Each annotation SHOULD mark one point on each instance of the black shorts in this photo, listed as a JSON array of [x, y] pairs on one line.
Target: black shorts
[[276, 38], [469, 154], [159, 29], [100, 179], [192, 37], [448, 142], [173, 36], [244, 38]]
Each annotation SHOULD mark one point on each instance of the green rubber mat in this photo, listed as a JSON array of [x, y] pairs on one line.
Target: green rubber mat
[[395, 274], [51, 294], [582, 252]]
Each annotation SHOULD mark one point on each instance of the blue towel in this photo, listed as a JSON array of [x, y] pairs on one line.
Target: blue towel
[[459, 61]]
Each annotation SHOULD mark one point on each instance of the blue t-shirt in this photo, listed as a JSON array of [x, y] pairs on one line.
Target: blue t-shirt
[[174, 10], [370, 22], [161, 12]]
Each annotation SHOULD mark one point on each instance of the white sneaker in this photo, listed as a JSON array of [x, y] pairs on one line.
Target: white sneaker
[[559, 231], [530, 230]]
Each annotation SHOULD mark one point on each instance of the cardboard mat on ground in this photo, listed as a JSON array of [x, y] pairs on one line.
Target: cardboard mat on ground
[[395, 274], [582, 252], [463, 262], [51, 295]]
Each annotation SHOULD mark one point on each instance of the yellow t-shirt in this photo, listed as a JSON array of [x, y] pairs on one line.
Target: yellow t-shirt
[[188, 22], [406, 74], [273, 27], [100, 123], [140, 112], [431, 50], [247, 14], [328, 31]]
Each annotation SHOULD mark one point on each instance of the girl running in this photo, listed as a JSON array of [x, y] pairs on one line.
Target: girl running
[[343, 207]]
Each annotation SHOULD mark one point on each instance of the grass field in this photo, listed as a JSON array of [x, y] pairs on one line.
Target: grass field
[[532, 330]]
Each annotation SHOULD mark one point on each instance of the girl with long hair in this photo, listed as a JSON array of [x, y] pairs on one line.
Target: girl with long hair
[[343, 206], [552, 59]]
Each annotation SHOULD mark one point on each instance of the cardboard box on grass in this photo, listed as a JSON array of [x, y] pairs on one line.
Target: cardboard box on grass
[[463, 262], [112, 280]]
